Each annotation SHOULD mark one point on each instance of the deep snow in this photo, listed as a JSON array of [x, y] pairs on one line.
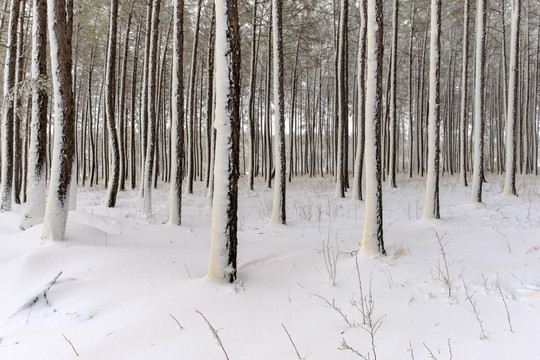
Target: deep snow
[[126, 280]]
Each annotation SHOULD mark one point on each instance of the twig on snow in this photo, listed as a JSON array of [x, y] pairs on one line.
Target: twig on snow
[[215, 332], [292, 342], [505, 306], [70, 343], [178, 322]]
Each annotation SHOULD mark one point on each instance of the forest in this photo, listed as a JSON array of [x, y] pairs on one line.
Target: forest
[[225, 140]]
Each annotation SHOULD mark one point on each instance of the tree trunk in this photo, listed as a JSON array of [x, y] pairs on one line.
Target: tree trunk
[[478, 167], [511, 129], [359, 159], [431, 205], [152, 117], [37, 159], [393, 114], [8, 113], [56, 212], [278, 210], [372, 241], [110, 97], [225, 204]]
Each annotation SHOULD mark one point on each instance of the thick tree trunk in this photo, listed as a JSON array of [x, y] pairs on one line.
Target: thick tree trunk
[[8, 113], [56, 212], [359, 159], [510, 177], [372, 241], [479, 117], [37, 159], [224, 212]]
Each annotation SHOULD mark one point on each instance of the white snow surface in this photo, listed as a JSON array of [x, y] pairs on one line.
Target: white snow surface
[[124, 277]]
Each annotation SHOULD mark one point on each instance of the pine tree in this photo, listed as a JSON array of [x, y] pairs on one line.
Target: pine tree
[[36, 186], [227, 123], [8, 112], [56, 211], [511, 136], [431, 205], [278, 212], [177, 128], [373, 225]]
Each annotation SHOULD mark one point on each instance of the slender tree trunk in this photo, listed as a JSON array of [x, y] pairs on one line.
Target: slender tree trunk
[[110, 97], [342, 100], [210, 99], [190, 125], [393, 146], [177, 128], [431, 205], [152, 117], [251, 101], [278, 210], [463, 112]]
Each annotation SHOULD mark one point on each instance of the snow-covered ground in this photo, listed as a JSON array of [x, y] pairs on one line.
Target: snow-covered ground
[[130, 286]]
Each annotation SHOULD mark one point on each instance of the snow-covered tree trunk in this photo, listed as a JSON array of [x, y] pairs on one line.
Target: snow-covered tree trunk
[[373, 225], [121, 106], [211, 105], [144, 96], [210, 99], [431, 204], [227, 124], [463, 111], [151, 106], [393, 114], [278, 209], [190, 159], [177, 108], [510, 176], [56, 211], [37, 153], [478, 163], [18, 111], [251, 101], [359, 159], [342, 100], [110, 100], [8, 111], [411, 96]]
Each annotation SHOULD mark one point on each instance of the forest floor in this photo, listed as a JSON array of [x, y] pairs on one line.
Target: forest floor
[[122, 286]]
